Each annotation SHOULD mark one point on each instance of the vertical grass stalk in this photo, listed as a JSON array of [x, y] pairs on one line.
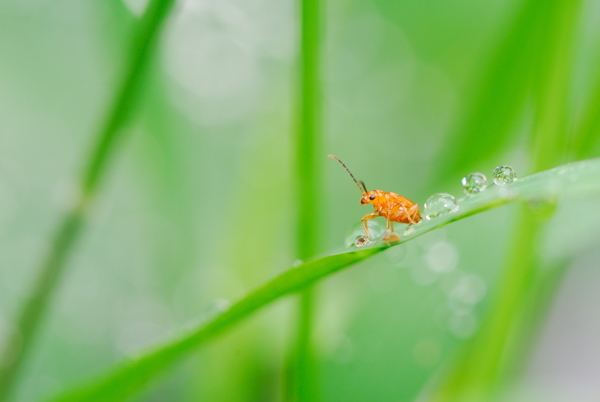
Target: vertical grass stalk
[[303, 385], [489, 358], [28, 322]]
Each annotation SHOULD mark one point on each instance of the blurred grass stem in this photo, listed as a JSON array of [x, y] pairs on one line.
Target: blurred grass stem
[[491, 355], [20, 342], [303, 385]]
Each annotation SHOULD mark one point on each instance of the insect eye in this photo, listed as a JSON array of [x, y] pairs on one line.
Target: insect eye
[[372, 197]]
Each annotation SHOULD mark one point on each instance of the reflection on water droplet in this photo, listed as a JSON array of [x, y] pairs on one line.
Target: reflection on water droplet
[[297, 263], [504, 174], [361, 241], [356, 235], [440, 204], [474, 183]]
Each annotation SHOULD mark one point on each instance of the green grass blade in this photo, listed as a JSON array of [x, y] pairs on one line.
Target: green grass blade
[[483, 367], [19, 344], [573, 180], [553, 83], [308, 155], [587, 134], [486, 126], [126, 380]]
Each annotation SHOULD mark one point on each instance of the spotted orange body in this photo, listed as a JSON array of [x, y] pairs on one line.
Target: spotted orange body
[[393, 207]]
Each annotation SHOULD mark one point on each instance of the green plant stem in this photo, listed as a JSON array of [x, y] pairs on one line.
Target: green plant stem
[[303, 385], [587, 134], [553, 84], [20, 341], [497, 98]]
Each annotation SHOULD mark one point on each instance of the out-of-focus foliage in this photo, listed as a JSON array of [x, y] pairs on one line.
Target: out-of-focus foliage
[[196, 208]]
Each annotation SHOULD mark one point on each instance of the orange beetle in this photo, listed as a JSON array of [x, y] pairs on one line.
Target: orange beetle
[[393, 207]]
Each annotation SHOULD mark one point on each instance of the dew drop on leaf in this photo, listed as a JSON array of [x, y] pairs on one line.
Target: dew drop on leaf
[[503, 175], [440, 204], [474, 183], [361, 241]]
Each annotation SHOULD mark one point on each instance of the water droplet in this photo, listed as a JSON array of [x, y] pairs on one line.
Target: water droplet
[[440, 204], [474, 183], [297, 263], [356, 235], [361, 241], [503, 175]]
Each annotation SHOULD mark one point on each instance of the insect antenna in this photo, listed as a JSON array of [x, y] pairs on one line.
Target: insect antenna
[[360, 184]]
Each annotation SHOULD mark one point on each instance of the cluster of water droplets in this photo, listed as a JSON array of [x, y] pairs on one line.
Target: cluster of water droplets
[[474, 183], [443, 203]]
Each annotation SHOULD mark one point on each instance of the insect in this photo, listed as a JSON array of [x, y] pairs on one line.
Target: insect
[[393, 207]]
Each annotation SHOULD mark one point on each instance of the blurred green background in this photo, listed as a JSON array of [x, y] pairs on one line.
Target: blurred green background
[[198, 204]]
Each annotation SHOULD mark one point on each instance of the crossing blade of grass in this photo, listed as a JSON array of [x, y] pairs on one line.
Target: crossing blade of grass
[[587, 134], [553, 83], [486, 126], [19, 343], [483, 367], [572, 180]]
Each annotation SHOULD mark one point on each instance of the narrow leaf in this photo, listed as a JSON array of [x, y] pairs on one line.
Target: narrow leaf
[[572, 180]]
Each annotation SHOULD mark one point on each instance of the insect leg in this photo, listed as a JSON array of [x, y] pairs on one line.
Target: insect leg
[[364, 221], [390, 236], [413, 214]]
